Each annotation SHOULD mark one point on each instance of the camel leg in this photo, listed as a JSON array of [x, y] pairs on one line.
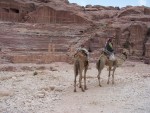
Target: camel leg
[[85, 87], [75, 76], [113, 75], [98, 76], [80, 75], [75, 83], [109, 75], [80, 81]]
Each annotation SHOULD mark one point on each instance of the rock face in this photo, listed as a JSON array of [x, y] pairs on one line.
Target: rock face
[[147, 54], [15, 11], [41, 11], [44, 31], [51, 15]]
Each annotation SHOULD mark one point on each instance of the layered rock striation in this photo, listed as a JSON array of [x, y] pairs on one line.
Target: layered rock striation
[[44, 31]]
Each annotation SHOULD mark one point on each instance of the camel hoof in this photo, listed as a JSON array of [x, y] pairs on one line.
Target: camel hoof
[[75, 90], [83, 90], [86, 88], [100, 85]]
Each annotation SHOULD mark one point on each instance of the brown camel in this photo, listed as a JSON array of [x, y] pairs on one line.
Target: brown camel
[[80, 65], [112, 65]]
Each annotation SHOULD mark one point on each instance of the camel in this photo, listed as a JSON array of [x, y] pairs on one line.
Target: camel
[[112, 65], [80, 65]]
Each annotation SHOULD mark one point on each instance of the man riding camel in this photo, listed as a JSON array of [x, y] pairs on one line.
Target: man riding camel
[[109, 49]]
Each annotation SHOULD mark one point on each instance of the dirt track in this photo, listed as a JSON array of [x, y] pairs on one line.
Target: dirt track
[[51, 90]]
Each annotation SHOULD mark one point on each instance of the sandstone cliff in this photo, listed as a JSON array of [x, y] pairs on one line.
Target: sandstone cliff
[[34, 30]]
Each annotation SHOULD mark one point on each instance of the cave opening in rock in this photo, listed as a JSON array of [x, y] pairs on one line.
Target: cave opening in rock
[[6, 10], [14, 10]]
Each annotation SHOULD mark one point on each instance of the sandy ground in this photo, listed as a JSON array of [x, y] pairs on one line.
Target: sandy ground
[[51, 90]]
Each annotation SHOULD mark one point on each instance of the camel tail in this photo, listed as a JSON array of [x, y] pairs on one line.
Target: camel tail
[[98, 64]]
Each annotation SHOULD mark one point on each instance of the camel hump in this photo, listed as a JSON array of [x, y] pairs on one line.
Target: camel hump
[[84, 52]]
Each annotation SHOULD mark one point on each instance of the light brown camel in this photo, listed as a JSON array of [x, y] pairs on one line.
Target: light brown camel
[[80, 65], [112, 65]]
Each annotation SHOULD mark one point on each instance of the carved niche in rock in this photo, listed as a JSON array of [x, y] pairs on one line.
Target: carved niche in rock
[[49, 15], [137, 36]]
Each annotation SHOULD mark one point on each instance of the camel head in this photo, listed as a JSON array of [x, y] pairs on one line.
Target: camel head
[[125, 52]]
